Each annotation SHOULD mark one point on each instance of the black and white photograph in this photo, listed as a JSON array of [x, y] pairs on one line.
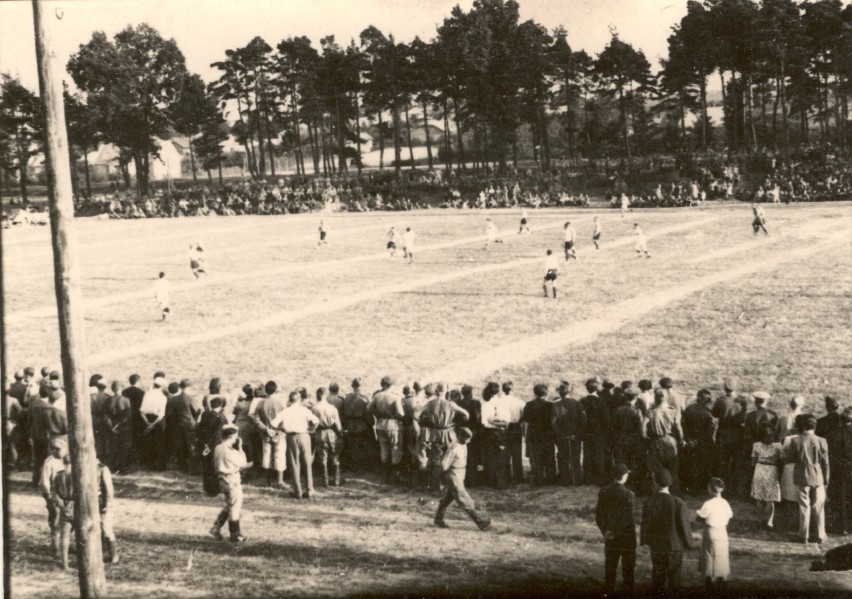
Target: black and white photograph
[[426, 298]]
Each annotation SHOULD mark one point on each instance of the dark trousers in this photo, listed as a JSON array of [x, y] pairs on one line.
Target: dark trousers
[[155, 446], [498, 467], [665, 570], [631, 454], [40, 452], [357, 451], [613, 552], [182, 441], [594, 460], [695, 466], [515, 440], [473, 477], [570, 469], [726, 459], [542, 454], [121, 446]]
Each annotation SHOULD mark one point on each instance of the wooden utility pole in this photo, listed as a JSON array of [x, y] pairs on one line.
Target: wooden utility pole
[[70, 307]]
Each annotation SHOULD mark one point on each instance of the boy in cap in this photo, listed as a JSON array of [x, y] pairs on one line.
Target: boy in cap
[[614, 517], [453, 468], [228, 461], [163, 293], [52, 466]]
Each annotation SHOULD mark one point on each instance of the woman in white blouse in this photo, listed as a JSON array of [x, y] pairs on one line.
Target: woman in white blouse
[[714, 561]]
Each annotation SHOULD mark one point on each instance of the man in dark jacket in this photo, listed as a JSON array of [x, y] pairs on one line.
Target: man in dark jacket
[[666, 532], [208, 436], [596, 434], [570, 427], [629, 434], [614, 517], [830, 428], [539, 416], [182, 413], [699, 429], [726, 411]]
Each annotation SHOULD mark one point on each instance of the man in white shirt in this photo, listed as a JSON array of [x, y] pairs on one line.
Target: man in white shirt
[[491, 233], [570, 236], [229, 460], [408, 239], [641, 244], [163, 293], [503, 412], [297, 422], [153, 410], [551, 266]]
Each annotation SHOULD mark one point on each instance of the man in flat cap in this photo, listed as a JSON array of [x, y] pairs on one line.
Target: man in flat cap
[[229, 460], [386, 409], [357, 430], [614, 517], [830, 428], [596, 434], [667, 533], [629, 433], [570, 426], [453, 465], [52, 466]]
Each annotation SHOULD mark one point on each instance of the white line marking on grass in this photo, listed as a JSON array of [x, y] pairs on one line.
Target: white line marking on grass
[[284, 317], [616, 316], [192, 285]]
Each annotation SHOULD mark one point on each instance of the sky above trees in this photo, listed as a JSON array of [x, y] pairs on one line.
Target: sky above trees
[[203, 29]]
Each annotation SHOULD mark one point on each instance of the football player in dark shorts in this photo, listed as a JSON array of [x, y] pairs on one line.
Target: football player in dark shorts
[[551, 266]]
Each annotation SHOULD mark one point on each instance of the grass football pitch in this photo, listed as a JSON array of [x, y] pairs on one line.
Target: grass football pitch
[[713, 301]]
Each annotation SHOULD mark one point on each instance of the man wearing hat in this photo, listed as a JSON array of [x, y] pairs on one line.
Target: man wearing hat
[[386, 409], [153, 410], [614, 517], [437, 431], [699, 429], [52, 466], [357, 430], [228, 461], [453, 465], [667, 533], [830, 428], [596, 434], [540, 415], [809, 454], [570, 427], [629, 433], [673, 398], [726, 411]]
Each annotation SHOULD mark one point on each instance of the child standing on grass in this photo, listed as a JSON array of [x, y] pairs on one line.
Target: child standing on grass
[[454, 468], [714, 562]]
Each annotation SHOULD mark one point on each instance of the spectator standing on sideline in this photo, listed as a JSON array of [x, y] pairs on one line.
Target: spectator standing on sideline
[[228, 461], [809, 454], [714, 562], [614, 517], [666, 532]]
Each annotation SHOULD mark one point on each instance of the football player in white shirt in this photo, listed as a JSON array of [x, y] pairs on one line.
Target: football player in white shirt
[[524, 228], [570, 236], [408, 244], [323, 232], [393, 239], [625, 204], [162, 293], [596, 236], [641, 245], [491, 233], [551, 266], [196, 259]]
